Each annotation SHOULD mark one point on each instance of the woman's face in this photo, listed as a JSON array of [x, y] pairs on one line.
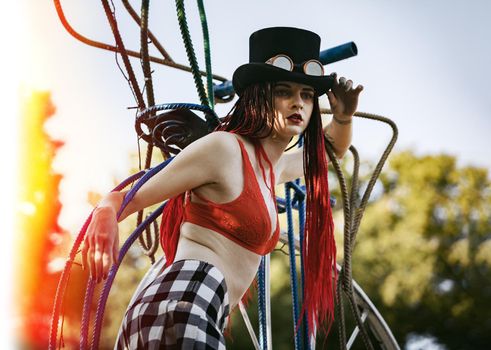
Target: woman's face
[[293, 104]]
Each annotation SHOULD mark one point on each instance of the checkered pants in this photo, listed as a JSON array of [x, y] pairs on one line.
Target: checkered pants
[[185, 307]]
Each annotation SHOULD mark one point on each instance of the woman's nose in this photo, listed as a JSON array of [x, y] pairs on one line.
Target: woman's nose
[[297, 101]]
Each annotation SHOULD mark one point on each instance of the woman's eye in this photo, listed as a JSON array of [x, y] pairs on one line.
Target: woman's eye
[[281, 92], [308, 96]]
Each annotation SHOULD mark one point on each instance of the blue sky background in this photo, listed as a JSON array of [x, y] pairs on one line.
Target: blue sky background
[[423, 63]]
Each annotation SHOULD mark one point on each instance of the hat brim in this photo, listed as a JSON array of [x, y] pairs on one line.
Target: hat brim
[[252, 73]]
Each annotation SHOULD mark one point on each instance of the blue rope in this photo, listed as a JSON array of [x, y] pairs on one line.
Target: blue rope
[[301, 229], [112, 273], [64, 280], [282, 203], [293, 266], [148, 174], [261, 305], [299, 190]]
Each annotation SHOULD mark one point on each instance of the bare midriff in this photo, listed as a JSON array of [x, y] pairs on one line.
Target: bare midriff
[[238, 265]]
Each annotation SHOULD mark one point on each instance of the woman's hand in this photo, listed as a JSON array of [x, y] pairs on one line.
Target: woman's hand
[[101, 245], [343, 98]]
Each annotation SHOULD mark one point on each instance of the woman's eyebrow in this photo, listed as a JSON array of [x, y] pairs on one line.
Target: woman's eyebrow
[[282, 85], [288, 86]]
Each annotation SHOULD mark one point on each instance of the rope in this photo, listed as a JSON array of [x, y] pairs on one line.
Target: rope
[[378, 167], [84, 329], [352, 204], [209, 113], [293, 265], [62, 283], [150, 246], [144, 53], [167, 62], [206, 42], [352, 221], [112, 272], [340, 313], [212, 120], [154, 39], [101, 305], [188, 44], [119, 43], [301, 230], [347, 244], [261, 305]]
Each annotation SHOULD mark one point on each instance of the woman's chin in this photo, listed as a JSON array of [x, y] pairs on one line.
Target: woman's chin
[[287, 134]]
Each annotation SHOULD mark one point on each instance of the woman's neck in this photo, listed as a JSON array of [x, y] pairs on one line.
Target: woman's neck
[[274, 147]]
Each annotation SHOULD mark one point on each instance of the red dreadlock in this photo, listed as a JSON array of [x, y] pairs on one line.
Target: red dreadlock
[[319, 248]]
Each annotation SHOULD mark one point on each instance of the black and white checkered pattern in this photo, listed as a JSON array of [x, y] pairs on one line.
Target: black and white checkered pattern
[[185, 307]]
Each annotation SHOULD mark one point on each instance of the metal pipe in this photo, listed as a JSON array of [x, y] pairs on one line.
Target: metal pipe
[[338, 53]]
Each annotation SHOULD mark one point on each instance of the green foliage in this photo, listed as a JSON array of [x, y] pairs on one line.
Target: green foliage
[[423, 252]]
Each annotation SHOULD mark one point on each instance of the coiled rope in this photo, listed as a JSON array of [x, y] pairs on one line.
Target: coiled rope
[[65, 275], [124, 249], [352, 217]]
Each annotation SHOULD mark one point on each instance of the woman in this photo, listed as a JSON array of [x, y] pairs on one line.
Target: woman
[[222, 214]]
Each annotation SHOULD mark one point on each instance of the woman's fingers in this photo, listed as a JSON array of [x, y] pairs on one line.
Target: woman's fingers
[[106, 260], [332, 99], [348, 85], [99, 246], [98, 257], [90, 259], [98, 252], [94, 257]]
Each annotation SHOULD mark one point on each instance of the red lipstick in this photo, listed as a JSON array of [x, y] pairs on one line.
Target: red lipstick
[[295, 118]]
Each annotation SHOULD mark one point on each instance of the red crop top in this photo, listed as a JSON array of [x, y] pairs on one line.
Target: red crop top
[[245, 220]]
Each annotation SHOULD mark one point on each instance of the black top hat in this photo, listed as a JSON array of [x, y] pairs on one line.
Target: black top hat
[[298, 44]]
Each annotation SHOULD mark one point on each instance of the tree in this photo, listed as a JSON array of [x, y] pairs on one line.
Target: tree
[[423, 253]]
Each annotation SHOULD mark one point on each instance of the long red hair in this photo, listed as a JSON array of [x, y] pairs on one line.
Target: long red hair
[[252, 116]]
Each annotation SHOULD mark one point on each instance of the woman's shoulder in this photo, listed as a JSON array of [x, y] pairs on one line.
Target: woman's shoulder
[[218, 146], [220, 143]]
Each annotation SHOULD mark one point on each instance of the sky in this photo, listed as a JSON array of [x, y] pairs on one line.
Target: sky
[[423, 63]]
